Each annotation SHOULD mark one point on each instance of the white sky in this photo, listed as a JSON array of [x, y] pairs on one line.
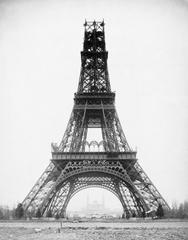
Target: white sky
[[40, 44]]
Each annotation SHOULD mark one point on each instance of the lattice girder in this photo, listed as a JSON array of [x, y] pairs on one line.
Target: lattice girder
[[72, 169], [81, 182], [41, 188], [134, 195], [113, 160], [81, 119], [94, 72]]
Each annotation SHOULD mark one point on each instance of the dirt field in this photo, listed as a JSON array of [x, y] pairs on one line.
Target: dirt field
[[123, 230]]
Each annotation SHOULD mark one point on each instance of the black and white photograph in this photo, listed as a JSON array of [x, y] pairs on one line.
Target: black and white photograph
[[94, 119]]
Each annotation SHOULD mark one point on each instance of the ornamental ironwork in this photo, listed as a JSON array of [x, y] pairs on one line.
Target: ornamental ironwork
[[77, 163]]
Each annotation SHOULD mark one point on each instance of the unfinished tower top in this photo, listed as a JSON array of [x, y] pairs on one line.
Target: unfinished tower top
[[94, 71]]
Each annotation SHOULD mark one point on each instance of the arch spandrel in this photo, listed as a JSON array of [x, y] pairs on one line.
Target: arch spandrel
[[114, 178], [94, 107]]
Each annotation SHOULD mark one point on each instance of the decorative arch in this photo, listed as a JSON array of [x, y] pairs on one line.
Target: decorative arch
[[115, 177], [94, 186]]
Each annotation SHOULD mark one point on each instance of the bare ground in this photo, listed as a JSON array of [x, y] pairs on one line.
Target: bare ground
[[124, 230]]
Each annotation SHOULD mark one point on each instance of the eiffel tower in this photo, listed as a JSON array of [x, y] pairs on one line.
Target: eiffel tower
[[78, 163]]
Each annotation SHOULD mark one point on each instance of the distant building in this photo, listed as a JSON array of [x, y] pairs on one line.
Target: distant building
[[95, 210]]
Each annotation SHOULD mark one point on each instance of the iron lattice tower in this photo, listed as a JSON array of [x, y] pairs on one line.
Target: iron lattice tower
[[76, 163]]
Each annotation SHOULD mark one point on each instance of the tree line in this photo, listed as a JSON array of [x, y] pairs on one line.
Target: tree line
[[177, 211]]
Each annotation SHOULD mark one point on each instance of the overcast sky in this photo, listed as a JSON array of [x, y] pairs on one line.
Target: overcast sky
[[40, 44]]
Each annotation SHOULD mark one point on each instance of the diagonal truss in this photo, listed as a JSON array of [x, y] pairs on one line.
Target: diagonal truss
[[77, 163]]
